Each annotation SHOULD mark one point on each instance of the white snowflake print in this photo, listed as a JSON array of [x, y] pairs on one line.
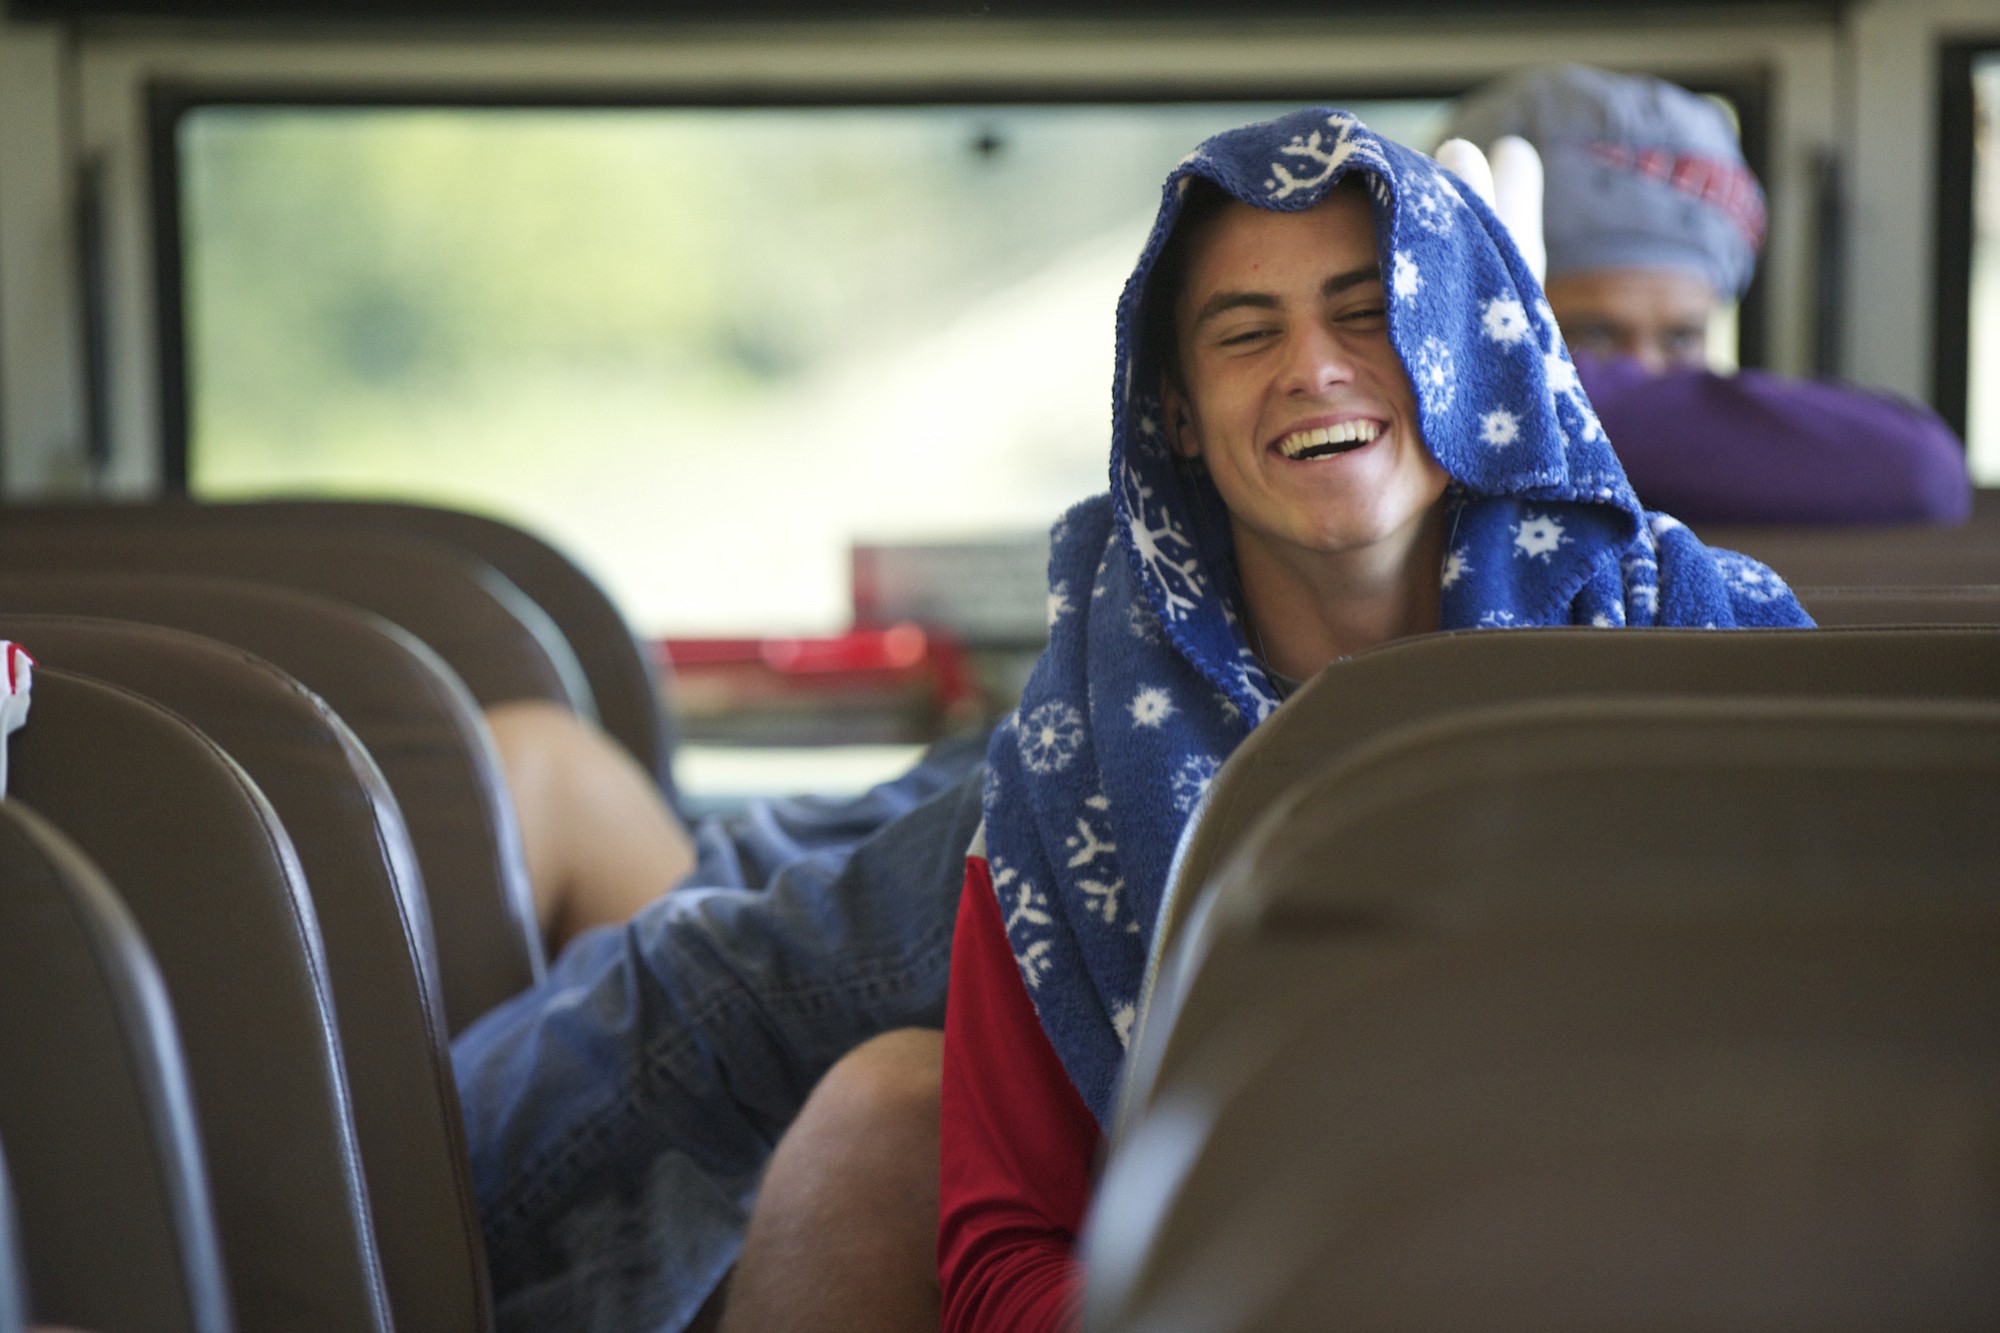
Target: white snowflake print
[[1049, 737], [989, 785], [1434, 376], [1025, 905], [1026, 908], [1435, 207], [1087, 844], [1537, 536], [1179, 582], [1560, 374], [1122, 1019], [1456, 567], [1506, 320], [1227, 707], [1498, 620], [1662, 524], [1191, 781], [1560, 370], [1406, 280], [1034, 962], [1250, 675], [1601, 621], [1148, 438], [1151, 707], [1749, 579], [1323, 159], [1499, 428], [1059, 605], [1646, 595], [1141, 623], [1101, 899]]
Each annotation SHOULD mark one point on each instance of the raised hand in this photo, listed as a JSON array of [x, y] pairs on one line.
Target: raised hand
[[1511, 184]]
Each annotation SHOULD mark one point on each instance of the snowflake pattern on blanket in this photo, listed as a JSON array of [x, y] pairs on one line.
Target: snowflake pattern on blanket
[[1147, 684]]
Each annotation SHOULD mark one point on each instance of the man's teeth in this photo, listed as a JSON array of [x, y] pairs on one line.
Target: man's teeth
[[1326, 440]]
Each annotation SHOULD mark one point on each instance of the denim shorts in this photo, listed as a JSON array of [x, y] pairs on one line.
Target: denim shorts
[[619, 1115]]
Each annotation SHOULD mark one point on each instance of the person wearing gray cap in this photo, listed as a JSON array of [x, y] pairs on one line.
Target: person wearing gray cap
[[1652, 219]]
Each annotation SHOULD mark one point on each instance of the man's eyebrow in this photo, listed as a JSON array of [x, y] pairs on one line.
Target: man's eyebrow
[[1354, 277], [1223, 302]]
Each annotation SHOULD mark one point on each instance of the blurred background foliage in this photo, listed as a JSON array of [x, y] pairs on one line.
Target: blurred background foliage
[[703, 349]]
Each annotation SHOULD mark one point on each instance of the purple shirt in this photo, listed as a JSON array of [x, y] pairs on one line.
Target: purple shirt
[[1761, 448]]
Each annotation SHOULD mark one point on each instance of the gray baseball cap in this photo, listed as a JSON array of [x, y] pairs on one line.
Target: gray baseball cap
[[1640, 173]]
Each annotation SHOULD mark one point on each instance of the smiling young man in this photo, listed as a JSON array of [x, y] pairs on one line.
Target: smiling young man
[[1285, 387], [1342, 415]]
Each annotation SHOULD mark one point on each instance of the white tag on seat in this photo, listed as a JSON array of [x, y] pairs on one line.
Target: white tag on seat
[[17, 677]]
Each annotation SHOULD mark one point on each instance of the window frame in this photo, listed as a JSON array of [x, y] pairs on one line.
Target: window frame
[[167, 105], [1955, 228]]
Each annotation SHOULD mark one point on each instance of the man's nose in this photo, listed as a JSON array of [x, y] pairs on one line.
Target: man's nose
[[1652, 354], [1319, 359]]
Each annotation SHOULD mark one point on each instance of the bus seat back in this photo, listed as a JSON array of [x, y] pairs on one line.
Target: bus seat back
[[216, 887], [1622, 1013], [367, 893], [112, 1216]]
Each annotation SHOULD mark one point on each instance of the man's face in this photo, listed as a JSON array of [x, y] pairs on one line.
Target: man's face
[[1656, 316], [1292, 395]]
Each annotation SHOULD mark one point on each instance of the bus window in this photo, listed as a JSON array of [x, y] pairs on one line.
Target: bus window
[[1982, 403], [705, 349]]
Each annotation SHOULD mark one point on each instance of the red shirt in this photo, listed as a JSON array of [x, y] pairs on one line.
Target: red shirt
[[1018, 1142]]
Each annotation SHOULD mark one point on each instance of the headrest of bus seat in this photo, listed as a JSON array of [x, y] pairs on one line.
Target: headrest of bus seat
[[499, 642], [411, 711], [629, 687]]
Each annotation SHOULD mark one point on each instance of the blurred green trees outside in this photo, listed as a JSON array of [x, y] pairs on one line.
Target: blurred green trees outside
[[702, 348]]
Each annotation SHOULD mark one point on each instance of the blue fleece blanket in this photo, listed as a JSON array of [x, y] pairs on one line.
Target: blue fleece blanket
[[1148, 683]]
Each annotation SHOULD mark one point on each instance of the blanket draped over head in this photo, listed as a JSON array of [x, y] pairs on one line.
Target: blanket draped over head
[[1148, 684]]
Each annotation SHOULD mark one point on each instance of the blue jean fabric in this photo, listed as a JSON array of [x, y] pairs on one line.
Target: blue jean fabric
[[619, 1115]]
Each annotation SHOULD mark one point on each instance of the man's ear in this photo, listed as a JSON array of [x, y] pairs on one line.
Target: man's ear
[[1181, 435]]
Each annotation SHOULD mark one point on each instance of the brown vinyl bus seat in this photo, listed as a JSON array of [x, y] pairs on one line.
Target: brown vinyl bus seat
[[1940, 604], [1355, 701], [214, 883], [1608, 1014], [366, 890], [1871, 556], [413, 716], [114, 1223], [1418, 678], [502, 645], [625, 684]]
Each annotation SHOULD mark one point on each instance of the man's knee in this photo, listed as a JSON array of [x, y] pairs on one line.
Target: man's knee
[[845, 1233], [888, 1085]]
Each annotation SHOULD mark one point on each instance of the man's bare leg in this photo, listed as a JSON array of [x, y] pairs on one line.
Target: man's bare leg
[[845, 1232], [599, 838]]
